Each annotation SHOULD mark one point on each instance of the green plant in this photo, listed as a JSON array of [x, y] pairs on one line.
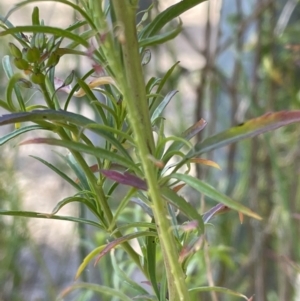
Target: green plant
[[126, 119]]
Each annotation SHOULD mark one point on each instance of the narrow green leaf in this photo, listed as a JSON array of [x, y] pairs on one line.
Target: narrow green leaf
[[74, 89], [185, 207], [10, 73], [151, 262], [19, 132], [152, 82], [163, 286], [100, 110], [174, 221], [69, 3], [214, 194], [51, 115], [17, 36], [124, 277], [161, 38], [218, 290], [80, 147], [87, 90], [145, 297], [63, 51], [156, 101], [72, 199], [66, 118], [121, 207], [86, 35], [194, 129], [81, 176], [76, 24], [7, 66], [160, 108], [87, 260], [134, 225], [12, 87], [46, 29], [186, 135], [121, 240], [146, 207], [59, 172], [251, 128], [166, 16], [112, 114], [98, 289], [106, 132], [171, 151], [49, 216], [36, 107]]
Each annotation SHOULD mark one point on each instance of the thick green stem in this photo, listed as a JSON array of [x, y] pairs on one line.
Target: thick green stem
[[133, 88]]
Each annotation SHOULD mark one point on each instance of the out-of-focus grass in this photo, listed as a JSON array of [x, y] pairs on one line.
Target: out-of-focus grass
[[255, 258], [13, 232], [251, 67]]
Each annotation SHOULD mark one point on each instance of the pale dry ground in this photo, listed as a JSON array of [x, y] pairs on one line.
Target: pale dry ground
[[42, 189]]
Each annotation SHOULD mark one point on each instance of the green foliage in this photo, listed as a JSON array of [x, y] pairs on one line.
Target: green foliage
[[128, 154]]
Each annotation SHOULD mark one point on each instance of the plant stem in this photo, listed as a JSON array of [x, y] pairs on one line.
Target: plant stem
[[133, 88]]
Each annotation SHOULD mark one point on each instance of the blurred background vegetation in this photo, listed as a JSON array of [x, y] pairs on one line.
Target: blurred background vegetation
[[238, 59]]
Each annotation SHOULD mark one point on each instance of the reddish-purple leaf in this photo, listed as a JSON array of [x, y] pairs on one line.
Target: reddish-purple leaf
[[190, 226], [36, 141], [194, 129], [216, 210], [178, 187], [190, 249], [125, 178], [94, 168], [251, 128]]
